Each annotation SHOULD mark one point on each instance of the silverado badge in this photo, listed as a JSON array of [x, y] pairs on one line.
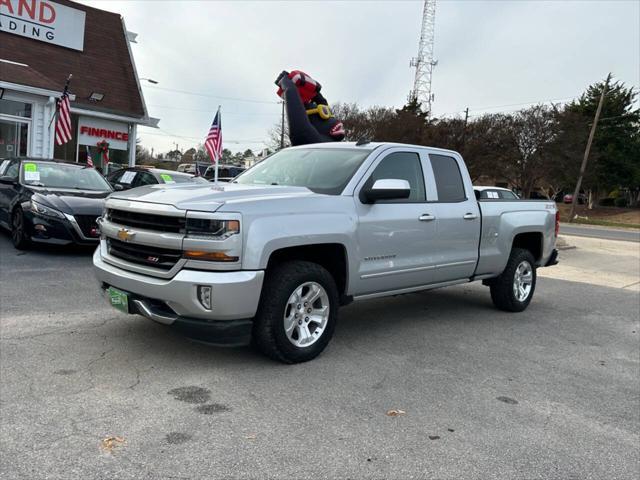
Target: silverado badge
[[125, 235]]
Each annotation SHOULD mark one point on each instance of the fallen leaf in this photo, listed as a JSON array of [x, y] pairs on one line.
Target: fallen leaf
[[395, 413], [251, 436], [109, 443]]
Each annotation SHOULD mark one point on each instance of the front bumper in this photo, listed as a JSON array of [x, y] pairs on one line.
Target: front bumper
[[235, 296], [56, 231]]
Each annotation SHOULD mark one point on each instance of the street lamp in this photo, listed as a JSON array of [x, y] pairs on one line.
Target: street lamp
[[150, 80]]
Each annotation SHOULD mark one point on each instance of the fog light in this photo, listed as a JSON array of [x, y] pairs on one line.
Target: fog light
[[40, 228], [204, 296]]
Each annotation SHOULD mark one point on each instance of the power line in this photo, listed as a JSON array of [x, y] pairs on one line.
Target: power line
[[200, 94], [186, 137], [561, 100], [248, 114]]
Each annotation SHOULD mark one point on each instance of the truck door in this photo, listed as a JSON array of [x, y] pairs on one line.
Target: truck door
[[457, 219], [394, 236]]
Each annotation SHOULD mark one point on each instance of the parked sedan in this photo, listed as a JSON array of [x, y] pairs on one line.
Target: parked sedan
[[50, 201], [132, 177]]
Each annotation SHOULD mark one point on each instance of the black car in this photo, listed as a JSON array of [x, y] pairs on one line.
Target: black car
[[132, 177], [50, 201], [226, 173]]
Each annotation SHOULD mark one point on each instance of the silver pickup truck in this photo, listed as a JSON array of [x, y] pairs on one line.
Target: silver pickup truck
[[271, 256]]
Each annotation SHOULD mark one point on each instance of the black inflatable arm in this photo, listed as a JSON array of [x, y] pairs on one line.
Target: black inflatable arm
[[301, 131]]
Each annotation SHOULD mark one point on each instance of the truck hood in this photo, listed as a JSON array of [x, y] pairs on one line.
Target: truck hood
[[208, 198]]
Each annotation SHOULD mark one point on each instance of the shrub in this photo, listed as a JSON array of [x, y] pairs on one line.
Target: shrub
[[621, 202], [607, 202]]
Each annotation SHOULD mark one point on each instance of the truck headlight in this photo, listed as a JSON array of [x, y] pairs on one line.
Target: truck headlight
[[45, 211], [212, 229]]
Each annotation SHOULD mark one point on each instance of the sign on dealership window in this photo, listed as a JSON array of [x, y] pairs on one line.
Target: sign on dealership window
[[43, 20], [94, 130]]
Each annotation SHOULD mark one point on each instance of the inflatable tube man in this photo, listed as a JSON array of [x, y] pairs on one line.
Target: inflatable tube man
[[308, 114]]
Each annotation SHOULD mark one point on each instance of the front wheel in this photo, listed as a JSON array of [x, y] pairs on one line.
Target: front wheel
[[513, 289], [18, 230], [297, 313]]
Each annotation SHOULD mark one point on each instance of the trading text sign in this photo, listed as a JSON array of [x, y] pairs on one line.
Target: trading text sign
[[43, 20]]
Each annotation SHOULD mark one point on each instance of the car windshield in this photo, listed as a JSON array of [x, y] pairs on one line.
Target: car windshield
[[60, 175], [322, 170]]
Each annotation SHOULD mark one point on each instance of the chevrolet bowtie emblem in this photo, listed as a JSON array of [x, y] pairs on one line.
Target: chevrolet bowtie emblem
[[125, 235]]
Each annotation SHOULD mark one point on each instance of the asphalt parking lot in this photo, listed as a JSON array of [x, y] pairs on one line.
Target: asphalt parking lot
[[553, 392]]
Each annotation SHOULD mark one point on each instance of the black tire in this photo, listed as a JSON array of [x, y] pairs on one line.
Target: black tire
[[502, 287], [19, 236], [269, 334]]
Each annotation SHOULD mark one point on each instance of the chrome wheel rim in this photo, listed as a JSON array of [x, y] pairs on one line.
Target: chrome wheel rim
[[306, 314], [523, 281]]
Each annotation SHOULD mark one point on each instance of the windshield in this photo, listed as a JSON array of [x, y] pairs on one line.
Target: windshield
[[322, 170], [60, 175]]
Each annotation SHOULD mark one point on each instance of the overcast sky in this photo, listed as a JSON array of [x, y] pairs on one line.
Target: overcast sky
[[491, 55]]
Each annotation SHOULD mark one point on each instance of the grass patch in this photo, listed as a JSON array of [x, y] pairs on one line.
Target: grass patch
[[604, 223]]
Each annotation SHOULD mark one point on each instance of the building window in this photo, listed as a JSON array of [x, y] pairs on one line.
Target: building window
[[14, 137], [15, 109]]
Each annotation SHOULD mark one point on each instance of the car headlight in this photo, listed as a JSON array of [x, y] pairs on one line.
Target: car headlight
[[212, 229], [45, 211]]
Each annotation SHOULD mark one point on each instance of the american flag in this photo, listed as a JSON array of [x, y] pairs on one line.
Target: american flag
[[63, 120], [89, 159], [213, 143]]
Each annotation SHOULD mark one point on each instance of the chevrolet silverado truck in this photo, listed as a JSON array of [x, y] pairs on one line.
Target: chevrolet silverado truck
[[270, 257]]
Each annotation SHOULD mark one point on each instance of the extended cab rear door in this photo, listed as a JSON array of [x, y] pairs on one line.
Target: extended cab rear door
[[457, 217]]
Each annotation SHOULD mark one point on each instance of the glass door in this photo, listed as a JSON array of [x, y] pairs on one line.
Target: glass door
[[14, 138]]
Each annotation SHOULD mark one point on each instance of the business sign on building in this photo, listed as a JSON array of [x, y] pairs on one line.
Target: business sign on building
[[43, 20], [91, 131]]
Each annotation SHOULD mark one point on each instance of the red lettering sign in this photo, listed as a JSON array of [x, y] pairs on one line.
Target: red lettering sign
[[24, 5], [7, 3], [104, 133], [51, 13]]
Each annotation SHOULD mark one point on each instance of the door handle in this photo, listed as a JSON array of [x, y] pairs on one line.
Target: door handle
[[426, 217], [470, 216]]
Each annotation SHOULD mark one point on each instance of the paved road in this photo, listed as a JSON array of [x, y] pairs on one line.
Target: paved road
[[549, 393], [600, 232]]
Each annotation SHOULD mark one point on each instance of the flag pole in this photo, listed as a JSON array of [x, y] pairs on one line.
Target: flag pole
[[219, 133], [66, 88]]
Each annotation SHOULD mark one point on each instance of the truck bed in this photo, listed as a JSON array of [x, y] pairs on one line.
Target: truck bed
[[503, 220]]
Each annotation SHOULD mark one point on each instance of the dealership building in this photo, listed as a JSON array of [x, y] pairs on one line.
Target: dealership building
[[42, 42]]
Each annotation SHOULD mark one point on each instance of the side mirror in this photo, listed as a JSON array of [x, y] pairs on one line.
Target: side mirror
[[117, 187], [386, 189], [9, 180]]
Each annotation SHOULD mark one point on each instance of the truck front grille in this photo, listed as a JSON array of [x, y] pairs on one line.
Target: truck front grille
[[147, 221], [161, 258]]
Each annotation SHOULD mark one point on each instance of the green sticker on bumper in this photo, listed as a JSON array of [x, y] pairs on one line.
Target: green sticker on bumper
[[119, 299]]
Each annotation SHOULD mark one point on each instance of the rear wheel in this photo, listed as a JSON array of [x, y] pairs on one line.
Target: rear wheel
[[297, 313], [18, 234], [513, 289]]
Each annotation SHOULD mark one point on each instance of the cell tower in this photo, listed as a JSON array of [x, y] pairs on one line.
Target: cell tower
[[424, 62]]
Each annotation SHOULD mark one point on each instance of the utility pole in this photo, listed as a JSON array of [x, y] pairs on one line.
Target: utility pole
[[464, 130], [592, 134], [282, 128]]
